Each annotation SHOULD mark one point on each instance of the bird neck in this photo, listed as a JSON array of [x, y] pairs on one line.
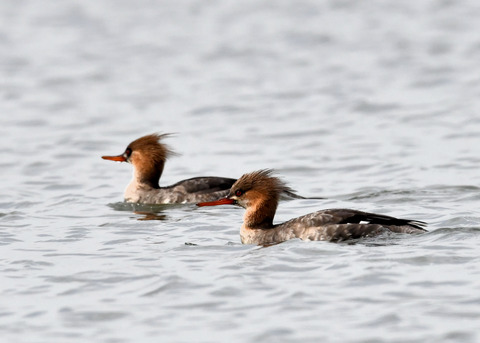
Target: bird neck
[[260, 215], [148, 175]]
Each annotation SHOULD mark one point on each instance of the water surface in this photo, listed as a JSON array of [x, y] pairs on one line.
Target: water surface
[[372, 106]]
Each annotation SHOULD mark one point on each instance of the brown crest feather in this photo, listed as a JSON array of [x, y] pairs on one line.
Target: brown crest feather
[[149, 155]]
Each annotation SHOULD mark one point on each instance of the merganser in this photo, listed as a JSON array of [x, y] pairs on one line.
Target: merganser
[[258, 193], [148, 155]]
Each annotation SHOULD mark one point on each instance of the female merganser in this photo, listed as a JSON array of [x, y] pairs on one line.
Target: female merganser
[[258, 193], [148, 156]]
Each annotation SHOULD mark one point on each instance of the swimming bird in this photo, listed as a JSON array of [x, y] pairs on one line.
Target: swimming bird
[[258, 193], [148, 155]]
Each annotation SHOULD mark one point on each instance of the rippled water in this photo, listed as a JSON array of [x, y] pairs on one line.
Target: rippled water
[[374, 106]]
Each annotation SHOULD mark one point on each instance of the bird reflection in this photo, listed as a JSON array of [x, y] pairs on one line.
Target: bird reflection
[[150, 215]]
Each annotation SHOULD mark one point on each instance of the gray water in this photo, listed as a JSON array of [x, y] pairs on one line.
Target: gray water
[[372, 105]]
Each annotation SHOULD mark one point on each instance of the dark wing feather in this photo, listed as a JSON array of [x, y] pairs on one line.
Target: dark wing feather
[[373, 218], [203, 185], [347, 216]]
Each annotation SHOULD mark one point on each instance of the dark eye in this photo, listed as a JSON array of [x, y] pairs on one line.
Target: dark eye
[[239, 193], [128, 152]]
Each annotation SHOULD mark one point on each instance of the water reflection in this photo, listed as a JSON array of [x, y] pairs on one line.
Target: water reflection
[[150, 215], [146, 212]]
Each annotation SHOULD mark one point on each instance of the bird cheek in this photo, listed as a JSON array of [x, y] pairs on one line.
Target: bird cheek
[[241, 202], [136, 159]]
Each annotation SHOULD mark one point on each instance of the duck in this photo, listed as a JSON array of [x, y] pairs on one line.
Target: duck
[[148, 155], [258, 192]]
